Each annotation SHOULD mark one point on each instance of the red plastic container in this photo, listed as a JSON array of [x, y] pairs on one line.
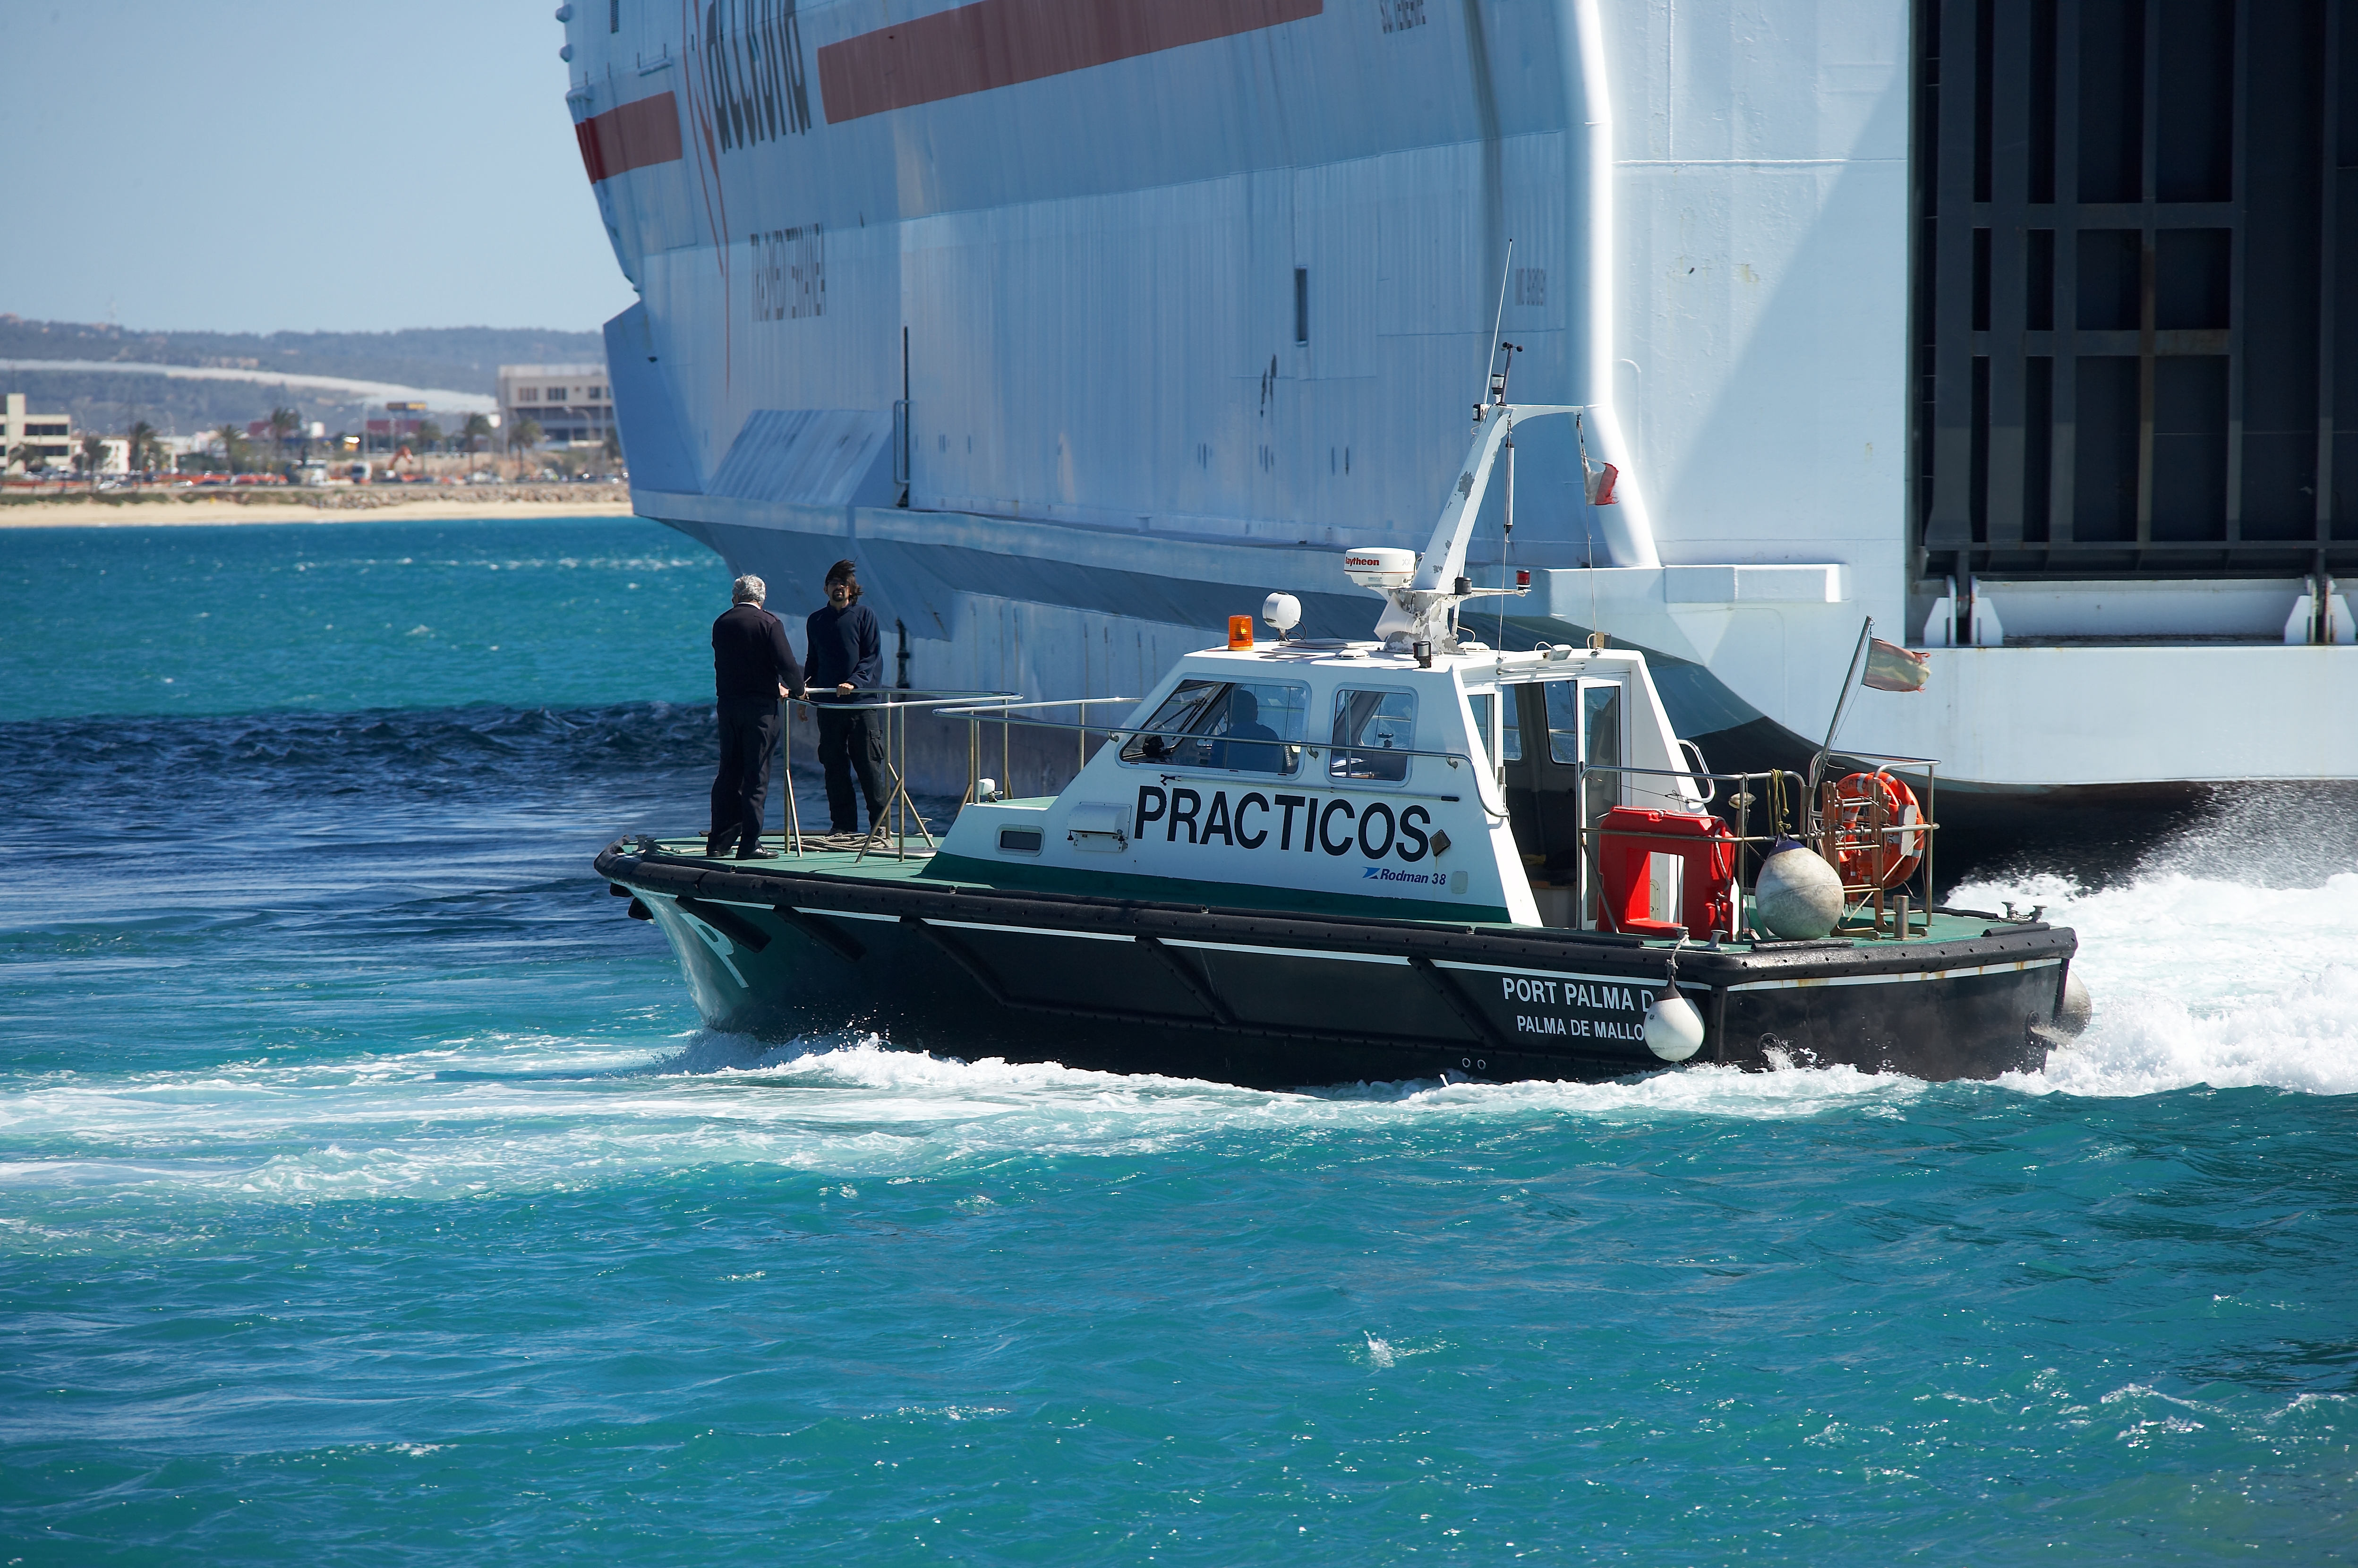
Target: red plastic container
[[1626, 842]]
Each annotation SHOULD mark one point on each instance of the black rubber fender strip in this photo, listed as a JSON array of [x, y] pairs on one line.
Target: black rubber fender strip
[[1372, 928], [726, 920], [828, 934]]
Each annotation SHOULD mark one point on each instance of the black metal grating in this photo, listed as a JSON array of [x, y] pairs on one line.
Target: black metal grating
[[2130, 225]]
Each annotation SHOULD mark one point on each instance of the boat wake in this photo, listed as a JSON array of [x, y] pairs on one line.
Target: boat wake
[[2201, 981]]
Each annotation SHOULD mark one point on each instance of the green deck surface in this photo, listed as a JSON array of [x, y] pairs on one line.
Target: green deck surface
[[882, 864]]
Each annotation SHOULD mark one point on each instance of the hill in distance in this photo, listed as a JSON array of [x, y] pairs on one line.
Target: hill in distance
[[462, 359]]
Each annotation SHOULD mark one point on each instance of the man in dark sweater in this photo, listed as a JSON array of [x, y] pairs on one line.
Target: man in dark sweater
[[847, 665], [752, 667]]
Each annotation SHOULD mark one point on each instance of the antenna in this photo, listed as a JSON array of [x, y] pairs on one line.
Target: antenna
[[1497, 319]]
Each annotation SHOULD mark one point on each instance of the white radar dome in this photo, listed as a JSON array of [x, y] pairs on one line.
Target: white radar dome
[[1380, 567]]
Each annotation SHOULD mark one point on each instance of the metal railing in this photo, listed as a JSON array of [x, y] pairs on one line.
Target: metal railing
[[1819, 823], [896, 703], [1877, 837], [979, 715]]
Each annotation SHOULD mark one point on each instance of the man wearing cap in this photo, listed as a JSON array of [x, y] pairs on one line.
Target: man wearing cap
[[847, 666], [752, 667]]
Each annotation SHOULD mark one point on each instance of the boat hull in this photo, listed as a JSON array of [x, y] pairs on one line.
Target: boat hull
[[1285, 999]]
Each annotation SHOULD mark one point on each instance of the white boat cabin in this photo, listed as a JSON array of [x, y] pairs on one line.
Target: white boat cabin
[[1326, 771]]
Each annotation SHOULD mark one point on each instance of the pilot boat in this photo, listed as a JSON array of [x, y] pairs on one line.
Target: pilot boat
[[1308, 862]]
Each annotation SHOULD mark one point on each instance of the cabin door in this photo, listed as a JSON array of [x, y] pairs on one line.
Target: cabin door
[[1547, 729]]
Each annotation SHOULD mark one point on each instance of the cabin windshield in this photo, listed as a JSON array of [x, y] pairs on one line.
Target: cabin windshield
[[1239, 727]]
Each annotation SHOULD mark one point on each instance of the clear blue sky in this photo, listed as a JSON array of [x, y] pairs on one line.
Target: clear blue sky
[[271, 164]]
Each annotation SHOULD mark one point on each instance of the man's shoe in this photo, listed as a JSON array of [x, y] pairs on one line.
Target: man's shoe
[[716, 845]]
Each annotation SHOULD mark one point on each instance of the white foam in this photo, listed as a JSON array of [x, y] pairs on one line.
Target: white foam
[[542, 1113], [2198, 980], [2203, 981]]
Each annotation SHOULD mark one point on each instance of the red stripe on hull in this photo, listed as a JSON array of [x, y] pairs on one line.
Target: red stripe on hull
[[632, 136], [997, 43]]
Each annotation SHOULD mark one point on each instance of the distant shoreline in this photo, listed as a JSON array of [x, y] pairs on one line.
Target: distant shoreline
[[185, 508]]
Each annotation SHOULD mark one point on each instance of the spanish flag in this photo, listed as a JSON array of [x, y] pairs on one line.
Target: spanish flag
[[1891, 667]]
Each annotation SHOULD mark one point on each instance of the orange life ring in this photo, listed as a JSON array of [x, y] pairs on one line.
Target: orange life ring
[[1864, 856]]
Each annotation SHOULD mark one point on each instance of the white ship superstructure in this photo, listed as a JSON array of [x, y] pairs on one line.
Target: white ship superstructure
[[1082, 324]]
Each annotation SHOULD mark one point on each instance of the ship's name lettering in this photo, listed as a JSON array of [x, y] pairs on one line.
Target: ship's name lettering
[[753, 77], [789, 273], [1598, 995], [1309, 823]]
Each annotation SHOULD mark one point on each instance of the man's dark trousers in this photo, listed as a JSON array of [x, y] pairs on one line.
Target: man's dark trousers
[[749, 738], [851, 740]]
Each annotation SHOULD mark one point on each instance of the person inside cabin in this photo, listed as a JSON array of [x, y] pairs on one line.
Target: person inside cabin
[[752, 667], [847, 665], [1247, 745]]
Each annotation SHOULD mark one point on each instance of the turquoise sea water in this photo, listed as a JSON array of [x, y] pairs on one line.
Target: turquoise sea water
[[369, 1193]]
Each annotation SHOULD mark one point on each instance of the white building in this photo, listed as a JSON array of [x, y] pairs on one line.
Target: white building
[[50, 435], [571, 404]]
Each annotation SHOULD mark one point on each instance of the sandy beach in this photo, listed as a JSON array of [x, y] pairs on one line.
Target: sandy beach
[[316, 506]]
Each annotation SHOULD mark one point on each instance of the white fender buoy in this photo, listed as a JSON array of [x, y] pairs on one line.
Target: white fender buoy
[[2078, 1005], [1673, 1027], [1797, 895]]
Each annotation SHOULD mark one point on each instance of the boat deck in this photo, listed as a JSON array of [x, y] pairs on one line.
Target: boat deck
[[879, 861]]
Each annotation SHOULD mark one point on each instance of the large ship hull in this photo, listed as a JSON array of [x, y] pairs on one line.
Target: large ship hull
[[1081, 334]]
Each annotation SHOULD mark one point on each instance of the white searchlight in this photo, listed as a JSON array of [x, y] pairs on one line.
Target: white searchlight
[[1281, 610]]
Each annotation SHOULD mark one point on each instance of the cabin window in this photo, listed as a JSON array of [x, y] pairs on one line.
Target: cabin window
[[1601, 712], [1237, 727], [1583, 723], [1486, 736], [1020, 840], [1374, 731], [1510, 726], [1564, 721]]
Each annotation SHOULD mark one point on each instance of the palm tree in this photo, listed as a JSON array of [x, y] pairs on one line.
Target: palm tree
[[283, 422], [524, 435], [30, 456], [92, 457], [478, 429], [145, 449], [233, 445]]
